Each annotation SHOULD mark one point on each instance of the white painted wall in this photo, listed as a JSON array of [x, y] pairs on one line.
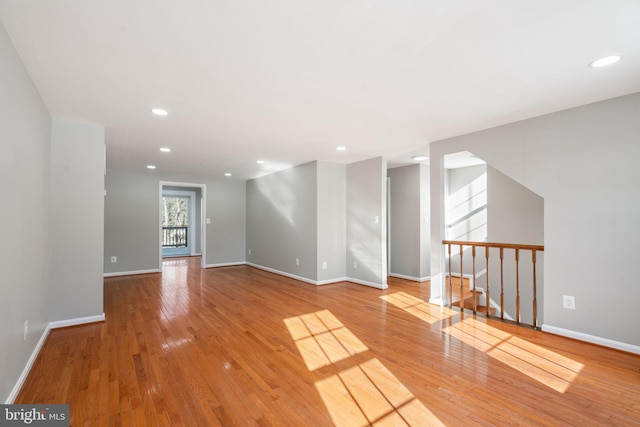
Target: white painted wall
[[77, 218], [25, 263], [366, 239], [583, 162]]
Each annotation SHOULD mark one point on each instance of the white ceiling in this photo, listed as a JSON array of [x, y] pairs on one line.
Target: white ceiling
[[288, 80]]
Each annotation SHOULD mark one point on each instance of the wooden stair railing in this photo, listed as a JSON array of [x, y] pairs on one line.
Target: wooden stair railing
[[501, 246]]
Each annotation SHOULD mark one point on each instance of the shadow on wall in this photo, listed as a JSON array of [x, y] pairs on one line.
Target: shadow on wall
[[280, 195], [364, 246]]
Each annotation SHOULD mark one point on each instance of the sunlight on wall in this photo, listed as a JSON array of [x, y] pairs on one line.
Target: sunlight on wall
[[545, 366], [362, 395], [365, 245], [322, 339], [429, 313], [277, 190], [466, 211]]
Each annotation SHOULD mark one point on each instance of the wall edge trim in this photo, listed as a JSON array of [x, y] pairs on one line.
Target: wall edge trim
[[77, 321], [131, 273], [605, 342], [27, 368], [412, 278]]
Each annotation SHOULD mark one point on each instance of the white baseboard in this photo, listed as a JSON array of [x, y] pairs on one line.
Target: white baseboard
[[371, 284], [23, 376], [34, 354], [412, 278], [592, 339], [225, 264], [77, 321], [131, 273], [282, 273], [321, 282], [330, 281], [438, 301]]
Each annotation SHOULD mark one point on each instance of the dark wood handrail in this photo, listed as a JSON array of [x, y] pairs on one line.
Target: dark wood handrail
[[502, 246]]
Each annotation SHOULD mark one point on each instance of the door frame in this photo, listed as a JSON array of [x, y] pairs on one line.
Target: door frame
[[203, 223], [192, 214]]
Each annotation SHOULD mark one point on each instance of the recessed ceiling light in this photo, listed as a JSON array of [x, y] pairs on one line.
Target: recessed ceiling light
[[159, 111], [151, 167], [260, 162], [341, 148], [165, 150], [420, 157], [227, 174], [607, 60]]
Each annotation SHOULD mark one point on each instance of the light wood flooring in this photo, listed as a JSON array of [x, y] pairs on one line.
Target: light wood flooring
[[240, 346]]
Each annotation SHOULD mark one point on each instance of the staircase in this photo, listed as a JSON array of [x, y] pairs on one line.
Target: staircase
[[468, 296]]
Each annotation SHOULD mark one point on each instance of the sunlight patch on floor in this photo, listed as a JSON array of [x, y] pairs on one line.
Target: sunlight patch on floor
[[364, 394], [429, 313], [369, 394], [545, 366], [322, 339]]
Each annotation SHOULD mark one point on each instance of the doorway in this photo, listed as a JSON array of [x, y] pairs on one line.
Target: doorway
[[182, 229], [178, 216]]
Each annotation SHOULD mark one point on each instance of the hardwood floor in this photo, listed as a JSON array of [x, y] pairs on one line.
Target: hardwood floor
[[240, 346]]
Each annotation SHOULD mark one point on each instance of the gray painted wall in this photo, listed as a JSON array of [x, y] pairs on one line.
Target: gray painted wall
[[466, 216], [405, 221], [25, 263], [132, 219], [425, 229], [282, 221], [583, 162], [366, 239], [77, 215], [332, 220], [516, 215]]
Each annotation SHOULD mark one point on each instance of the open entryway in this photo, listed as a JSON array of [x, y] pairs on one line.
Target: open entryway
[[182, 229], [178, 223]]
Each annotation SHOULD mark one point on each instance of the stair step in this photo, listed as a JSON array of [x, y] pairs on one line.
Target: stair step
[[468, 305]]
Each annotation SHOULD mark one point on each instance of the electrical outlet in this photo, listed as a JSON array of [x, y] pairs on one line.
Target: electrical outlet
[[569, 302], [297, 261], [114, 259], [249, 251], [324, 265], [355, 264], [26, 329]]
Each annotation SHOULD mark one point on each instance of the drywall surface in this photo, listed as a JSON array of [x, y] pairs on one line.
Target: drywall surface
[[77, 218], [132, 222], [25, 263], [425, 229], [516, 216], [404, 217], [582, 161], [332, 225], [366, 222], [282, 221]]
